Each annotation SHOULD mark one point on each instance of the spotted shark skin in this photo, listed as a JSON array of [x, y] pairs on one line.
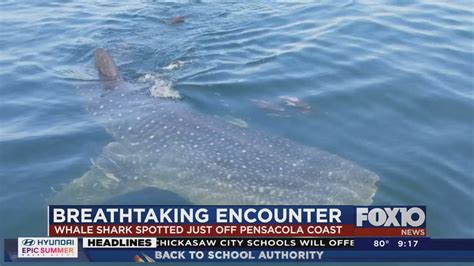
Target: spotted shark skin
[[168, 145]]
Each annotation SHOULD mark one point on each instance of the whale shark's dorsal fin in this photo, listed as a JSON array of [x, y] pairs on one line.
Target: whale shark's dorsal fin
[[105, 65]]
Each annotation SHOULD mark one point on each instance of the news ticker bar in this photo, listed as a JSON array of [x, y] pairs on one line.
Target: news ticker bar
[[247, 250], [256, 243]]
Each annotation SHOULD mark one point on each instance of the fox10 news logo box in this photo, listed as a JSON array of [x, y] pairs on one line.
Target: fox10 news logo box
[[47, 247], [390, 221]]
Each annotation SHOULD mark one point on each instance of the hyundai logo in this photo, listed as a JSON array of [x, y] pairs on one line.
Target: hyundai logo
[[28, 242]]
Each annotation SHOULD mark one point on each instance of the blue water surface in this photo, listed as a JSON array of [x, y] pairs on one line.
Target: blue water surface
[[386, 84]]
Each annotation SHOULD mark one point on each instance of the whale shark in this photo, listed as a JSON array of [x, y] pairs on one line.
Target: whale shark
[[169, 145]]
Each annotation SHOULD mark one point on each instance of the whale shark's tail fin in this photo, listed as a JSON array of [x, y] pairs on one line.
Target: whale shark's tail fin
[[105, 65]]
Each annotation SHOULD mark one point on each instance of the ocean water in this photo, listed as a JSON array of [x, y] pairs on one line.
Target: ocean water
[[386, 84]]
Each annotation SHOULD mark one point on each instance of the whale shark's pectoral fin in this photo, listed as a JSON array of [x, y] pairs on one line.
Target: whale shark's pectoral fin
[[110, 175], [115, 162]]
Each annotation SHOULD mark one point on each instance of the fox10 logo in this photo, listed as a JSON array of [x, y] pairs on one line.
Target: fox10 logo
[[390, 217]]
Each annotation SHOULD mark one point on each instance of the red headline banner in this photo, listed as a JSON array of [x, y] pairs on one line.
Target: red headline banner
[[228, 230]]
